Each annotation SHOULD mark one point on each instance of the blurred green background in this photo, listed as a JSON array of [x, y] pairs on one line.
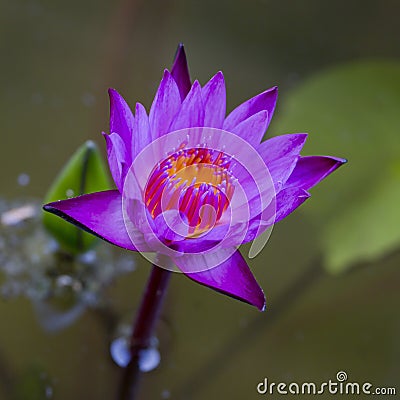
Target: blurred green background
[[330, 271]]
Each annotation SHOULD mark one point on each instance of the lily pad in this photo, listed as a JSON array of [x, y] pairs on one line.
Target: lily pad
[[84, 173], [352, 111]]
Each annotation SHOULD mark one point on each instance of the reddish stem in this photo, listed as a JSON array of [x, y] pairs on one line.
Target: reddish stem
[[149, 309], [143, 328]]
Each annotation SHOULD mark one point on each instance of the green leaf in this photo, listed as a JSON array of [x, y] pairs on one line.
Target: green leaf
[[352, 111], [84, 173]]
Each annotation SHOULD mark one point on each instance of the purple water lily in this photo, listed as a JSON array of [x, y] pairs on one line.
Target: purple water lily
[[193, 184]]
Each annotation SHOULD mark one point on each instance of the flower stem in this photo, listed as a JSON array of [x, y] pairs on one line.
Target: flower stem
[[143, 328]]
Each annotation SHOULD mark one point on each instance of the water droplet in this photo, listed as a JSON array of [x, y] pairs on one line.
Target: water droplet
[[69, 193], [23, 179], [88, 99], [88, 258], [66, 281], [165, 394], [125, 264], [149, 359], [49, 392], [37, 98], [57, 102], [120, 352]]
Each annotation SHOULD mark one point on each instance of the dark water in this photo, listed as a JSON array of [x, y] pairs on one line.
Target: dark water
[[58, 59]]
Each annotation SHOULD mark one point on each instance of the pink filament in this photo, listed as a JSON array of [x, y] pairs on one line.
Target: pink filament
[[187, 181]]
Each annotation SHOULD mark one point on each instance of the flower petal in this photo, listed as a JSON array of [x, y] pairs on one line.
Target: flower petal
[[287, 200], [166, 104], [280, 155], [231, 277], [205, 242], [121, 117], [214, 99], [117, 158], [171, 226], [311, 170], [253, 128], [180, 72], [141, 132], [191, 114], [263, 101], [97, 213]]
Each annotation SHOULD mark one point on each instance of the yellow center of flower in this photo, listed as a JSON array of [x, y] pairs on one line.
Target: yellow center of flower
[[195, 181]]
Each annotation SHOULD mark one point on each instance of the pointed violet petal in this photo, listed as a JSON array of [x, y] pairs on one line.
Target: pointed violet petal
[[231, 277], [117, 158], [253, 128], [141, 133], [121, 117], [166, 104], [287, 200], [311, 170], [191, 113], [214, 100], [98, 213], [280, 155], [263, 101], [180, 72]]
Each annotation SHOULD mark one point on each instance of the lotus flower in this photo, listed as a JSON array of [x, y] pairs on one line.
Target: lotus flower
[[193, 184]]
